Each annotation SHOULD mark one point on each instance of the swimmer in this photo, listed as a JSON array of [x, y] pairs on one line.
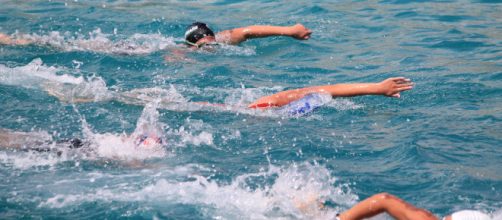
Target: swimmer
[[198, 34], [401, 210], [43, 142], [295, 102]]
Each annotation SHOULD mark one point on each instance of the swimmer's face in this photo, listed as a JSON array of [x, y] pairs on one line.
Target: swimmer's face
[[150, 143], [144, 141], [207, 40]]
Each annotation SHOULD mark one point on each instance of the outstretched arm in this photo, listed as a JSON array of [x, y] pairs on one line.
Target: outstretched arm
[[241, 34], [390, 87], [384, 202]]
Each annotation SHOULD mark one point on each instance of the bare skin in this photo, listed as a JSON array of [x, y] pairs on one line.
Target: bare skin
[[384, 202], [238, 35], [390, 87], [8, 40]]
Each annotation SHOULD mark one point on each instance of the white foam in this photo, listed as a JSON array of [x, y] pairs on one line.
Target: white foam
[[126, 147], [194, 132], [497, 215], [292, 192], [342, 104], [231, 50], [28, 160], [97, 41], [69, 88], [54, 80], [33, 73]]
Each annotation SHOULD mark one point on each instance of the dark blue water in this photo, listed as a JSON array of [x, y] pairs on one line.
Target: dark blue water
[[438, 147]]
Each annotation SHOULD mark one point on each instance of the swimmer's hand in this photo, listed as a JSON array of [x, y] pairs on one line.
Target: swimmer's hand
[[300, 32], [393, 86]]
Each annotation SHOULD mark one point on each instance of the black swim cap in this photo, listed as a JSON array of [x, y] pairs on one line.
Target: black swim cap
[[197, 31]]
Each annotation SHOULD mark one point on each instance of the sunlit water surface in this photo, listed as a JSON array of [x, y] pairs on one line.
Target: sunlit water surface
[[438, 147]]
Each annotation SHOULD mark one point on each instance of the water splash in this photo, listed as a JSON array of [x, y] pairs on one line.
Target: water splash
[[68, 88], [292, 192], [137, 44], [55, 81], [147, 141]]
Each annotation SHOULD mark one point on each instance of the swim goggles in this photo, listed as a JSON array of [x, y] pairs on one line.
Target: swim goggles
[[143, 140], [201, 44]]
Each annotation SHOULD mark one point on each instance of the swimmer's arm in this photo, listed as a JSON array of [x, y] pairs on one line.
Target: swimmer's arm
[[390, 87], [177, 55], [6, 39], [384, 202], [241, 34]]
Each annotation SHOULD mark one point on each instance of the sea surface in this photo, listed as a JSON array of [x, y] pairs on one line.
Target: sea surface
[[102, 70]]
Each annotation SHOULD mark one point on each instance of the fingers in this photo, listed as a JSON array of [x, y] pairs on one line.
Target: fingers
[[307, 35], [406, 84], [404, 88], [303, 33], [400, 79]]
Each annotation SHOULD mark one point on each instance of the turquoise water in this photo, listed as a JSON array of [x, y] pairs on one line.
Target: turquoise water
[[438, 147]]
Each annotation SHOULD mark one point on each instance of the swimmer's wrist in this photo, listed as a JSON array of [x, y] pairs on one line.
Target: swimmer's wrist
[[379, 89]]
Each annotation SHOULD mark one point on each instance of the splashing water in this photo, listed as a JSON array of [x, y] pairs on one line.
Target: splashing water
[[67, 88], [137, 44], [147, 140], [293, 192]]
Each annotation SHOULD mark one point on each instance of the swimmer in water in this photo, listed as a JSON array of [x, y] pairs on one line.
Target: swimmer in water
[[391, 87], [43, 142], [400, 210], [198, 34]]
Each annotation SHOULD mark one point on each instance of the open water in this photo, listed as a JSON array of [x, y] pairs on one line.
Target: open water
[[438, 147]]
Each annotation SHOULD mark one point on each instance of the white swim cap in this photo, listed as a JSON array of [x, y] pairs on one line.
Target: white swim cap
[[469, 215]]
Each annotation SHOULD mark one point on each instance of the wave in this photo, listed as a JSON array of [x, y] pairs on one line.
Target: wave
[[294, 192], [55, 81]]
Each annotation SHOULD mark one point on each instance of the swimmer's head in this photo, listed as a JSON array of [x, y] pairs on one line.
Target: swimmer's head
[[469, 215], [197, 31], [148, 141]]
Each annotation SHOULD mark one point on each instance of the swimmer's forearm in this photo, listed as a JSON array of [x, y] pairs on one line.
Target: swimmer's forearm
[[338, 90], [348, 90], [238, 35], [257, 31], [390, 87]]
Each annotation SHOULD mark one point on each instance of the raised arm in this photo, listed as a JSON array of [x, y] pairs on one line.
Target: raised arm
[[384, 202], [241, 34], [390, 87]]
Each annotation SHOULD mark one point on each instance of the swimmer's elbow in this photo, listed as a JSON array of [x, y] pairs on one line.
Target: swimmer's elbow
[[239, 35]]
